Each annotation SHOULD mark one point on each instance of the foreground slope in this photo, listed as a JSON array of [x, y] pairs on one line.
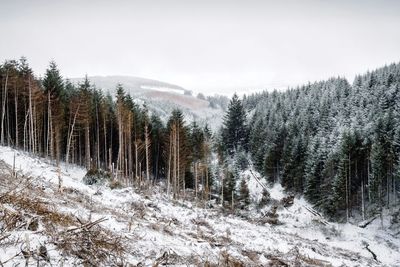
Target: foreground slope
[[101, 227]]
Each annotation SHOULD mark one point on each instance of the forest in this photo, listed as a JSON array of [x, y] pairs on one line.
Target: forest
[[334, 142]]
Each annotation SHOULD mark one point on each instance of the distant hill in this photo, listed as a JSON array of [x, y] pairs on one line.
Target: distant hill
[[132, 84], [161, 98]]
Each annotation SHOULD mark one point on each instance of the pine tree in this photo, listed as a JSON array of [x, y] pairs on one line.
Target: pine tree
[[314, 168], [234, 131], [54, 89]]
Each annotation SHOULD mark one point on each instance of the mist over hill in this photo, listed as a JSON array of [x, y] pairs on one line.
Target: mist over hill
[[162, 97]]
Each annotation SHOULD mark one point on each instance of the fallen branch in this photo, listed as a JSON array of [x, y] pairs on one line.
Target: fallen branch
[[15, 187], [315, 213], [370, 251], [88, 225], [161, 260], [258, 180], [16, 255], [277, 261], [365, 224]]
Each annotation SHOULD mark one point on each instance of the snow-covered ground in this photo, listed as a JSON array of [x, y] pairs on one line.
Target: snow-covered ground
[[148, 228]]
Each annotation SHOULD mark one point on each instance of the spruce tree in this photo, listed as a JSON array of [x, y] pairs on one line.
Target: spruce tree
[[234, 130], [54, 89]]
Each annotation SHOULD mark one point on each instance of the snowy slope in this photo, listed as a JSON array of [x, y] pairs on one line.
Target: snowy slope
[[147, 228], [161, 98]]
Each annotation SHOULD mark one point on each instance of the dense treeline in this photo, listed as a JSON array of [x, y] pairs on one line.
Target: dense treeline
[[61, 121], [337, 143]]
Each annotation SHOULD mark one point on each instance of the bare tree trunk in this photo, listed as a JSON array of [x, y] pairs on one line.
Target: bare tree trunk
[[347, 191], [362, 200], [222, 187], [16, 115], [25, 131], [169, 166], [195, 179], [387, 188], [98, 136], [120, 160], [175, 162], [70, 134], [32, 133], [147, 145], [48, 124], [87, 145], [105, 141], [37, 141], [207, 188], [179, 169], [51, 135], [368, 180], [136, 161], [3, 112], [110, 159], [58, 142]]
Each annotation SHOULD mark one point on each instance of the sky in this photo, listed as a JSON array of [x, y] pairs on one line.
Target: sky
[[212, 46]]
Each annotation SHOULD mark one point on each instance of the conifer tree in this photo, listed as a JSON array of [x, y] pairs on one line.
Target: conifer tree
[[234, 131], [54, 89]]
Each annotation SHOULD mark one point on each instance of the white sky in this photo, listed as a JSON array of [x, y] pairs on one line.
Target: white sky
[[210, 46]]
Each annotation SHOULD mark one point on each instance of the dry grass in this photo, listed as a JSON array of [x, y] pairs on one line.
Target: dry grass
[[23, 206], [230, 261], [294, 258], [202, 222], [44, 210], [94, 246]]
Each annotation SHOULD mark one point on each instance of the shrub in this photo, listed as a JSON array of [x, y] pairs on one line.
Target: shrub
[[96, 176], [115, 184]]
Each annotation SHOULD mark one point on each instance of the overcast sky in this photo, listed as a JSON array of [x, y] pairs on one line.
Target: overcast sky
[[210, 46]]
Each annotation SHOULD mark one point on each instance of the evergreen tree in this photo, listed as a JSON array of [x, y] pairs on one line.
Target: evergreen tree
[[54, 89], [234, 131]]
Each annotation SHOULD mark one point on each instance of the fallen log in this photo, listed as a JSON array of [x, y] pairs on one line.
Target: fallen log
[[316, 214], [366, 223]]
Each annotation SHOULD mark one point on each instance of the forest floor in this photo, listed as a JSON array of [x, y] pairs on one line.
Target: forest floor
[[42, 225]]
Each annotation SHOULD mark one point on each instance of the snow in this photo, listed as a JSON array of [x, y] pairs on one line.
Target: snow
[[152, 224], [163, 89]]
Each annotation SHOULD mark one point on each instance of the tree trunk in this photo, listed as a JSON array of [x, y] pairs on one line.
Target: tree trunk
[[169, 166], [362, 200], [48, 124], [195, 179], [105, 141], [175, 162], [3, 110], [87, 145], [16, 115], [136, 161], [70, 134], [97, 136], [147, 145], [31, 116]]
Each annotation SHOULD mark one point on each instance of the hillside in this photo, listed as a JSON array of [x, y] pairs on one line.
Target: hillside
[[161, 98], [336, 142], [98, 226]]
